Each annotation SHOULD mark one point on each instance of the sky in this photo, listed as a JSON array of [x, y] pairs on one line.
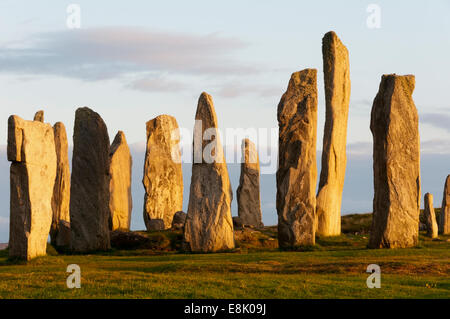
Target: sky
[[133, 60]]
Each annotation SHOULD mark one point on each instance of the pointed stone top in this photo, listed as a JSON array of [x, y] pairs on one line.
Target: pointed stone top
[[119, 140], [86, 112], [39, 116], [59, 126], [331, 37], [206, 111]]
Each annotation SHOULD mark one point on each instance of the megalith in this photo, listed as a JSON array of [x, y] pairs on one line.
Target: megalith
[[163, 175], [89, 198], [336, 69], [120, 201], [248, 192], [297, 168], [60, 230], [430, 217], [31, 149], [208, 226], [396, 164]]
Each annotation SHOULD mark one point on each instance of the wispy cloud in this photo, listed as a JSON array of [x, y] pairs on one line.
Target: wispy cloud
[[111, 52], [435, 146], [360, 148], [439, 120], [235, 89], [157, 84]]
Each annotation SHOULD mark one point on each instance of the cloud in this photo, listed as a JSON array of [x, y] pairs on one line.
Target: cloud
[[435, 146], [236, 89], [439, 120], [156, 84], [110, 52], [360, 148]]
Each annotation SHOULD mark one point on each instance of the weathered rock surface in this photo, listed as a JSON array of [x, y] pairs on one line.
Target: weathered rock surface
[[39, 116], [396, 164], [31, 149], [120, 201], [155, 224], [163, 176], [209, 226], [337, 97], [178, 220], [430, 217], [248, 192], [61, 190], [444, 222], [89, 201], [297, 168]]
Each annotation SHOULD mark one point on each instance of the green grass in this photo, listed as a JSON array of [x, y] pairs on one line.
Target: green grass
[[336, 268]]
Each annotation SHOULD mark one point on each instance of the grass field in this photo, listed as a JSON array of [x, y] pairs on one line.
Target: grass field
[[335, 268]]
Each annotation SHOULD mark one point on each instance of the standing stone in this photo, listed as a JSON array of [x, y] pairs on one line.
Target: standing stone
[[31, 149], [163, 176], [336, 69], [430, 217], [248, 193], [120, 202], [444, 222], [60, 230], [208, 226], [178, 220], [39, 116], [297, 168], [89, 201], [396, 164]]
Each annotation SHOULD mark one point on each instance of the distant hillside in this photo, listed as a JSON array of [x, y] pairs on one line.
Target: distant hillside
[[3, 246]]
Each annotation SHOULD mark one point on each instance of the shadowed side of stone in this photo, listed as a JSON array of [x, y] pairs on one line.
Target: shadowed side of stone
[[208, 226], [89, 201], [336, 69], [163, 176], [396, 164], [120, 165], [297, 168], [31, 149]]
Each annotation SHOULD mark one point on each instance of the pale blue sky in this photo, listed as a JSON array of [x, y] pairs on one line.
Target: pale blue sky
[[134, 60]]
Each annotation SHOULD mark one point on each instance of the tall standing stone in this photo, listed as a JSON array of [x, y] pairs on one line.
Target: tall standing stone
[[39, 116], [444, 221], [89, 200], [248, 192], [430, 217], [297, 168], [163, 175], [396, 164], [60, 230], [31, 149], [336, 69], [209, 226], [120, 201]]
